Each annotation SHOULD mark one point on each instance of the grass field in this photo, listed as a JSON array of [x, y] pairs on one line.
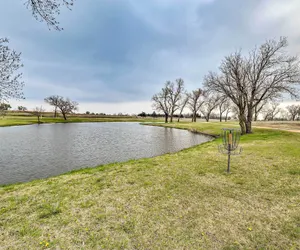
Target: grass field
[[175, 201], [281, 125], [14, 120]]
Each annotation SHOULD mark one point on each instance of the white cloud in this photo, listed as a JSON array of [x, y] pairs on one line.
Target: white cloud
[[157, 13], [278, 18], [96, 107]]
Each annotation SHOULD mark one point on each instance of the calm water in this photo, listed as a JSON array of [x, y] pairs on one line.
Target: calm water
[[38, 151]]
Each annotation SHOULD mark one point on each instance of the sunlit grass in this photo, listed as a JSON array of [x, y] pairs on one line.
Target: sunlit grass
[[175, 201]]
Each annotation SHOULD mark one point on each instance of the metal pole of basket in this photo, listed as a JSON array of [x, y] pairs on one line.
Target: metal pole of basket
[[230, 139]]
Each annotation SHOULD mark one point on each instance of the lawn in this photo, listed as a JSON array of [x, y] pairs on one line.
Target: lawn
[[14, 120], [183, 200]]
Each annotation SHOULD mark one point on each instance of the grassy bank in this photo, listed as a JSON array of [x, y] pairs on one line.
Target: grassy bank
[[175, 201], [27, 120]]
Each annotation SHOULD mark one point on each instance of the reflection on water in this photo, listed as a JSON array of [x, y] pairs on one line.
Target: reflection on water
[[38, 151]]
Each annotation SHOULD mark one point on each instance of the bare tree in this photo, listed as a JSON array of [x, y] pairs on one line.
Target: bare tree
[[22, 108], [47, 10], [53, 101], [66, 106], [183, 104], [4, 107], [223, 106], [175, 91], [11, 85], [271, 112], [265, 74], [294, 111], [211, 101], [259, 109], [228, 107], [38, 111], [283, 115], [161, 102], [195, 102]]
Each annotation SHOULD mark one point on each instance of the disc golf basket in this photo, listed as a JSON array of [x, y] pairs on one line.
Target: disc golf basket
[[230, 145]]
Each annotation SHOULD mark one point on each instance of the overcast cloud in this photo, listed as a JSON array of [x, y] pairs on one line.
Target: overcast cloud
[[113, 55]]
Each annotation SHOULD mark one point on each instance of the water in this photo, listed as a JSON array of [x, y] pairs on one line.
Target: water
[[39, 151]]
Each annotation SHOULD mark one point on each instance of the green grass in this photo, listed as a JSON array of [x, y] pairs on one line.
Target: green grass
[[175, 201], [14, 120]]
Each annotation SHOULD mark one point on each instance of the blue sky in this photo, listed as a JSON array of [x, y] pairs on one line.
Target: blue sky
[[113, 55]]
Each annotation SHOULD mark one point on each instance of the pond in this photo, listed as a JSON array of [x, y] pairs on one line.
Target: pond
[[39, 151]]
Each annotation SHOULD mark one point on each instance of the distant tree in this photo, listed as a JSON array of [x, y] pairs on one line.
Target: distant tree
[[161, 102], [283, 115], [169, 99], [294, 111], [223, 106], [184, 101], [22, 108], [154, 115], [11, 85], [195, 102], [53, 100], [46, 10], [270, 112], [66, 106], [228, 107], [143, 114], [260, 108], [211, 101], [176, 91], [87, 112], [5, 106], [38, 111]]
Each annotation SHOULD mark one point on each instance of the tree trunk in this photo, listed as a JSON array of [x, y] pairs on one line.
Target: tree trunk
[[178, 118], [194, 116], [166, 118], [38, 119], [226, 117], [55, 112], [249, 127], [171, 119], [65, 118], [207, 116], [249, 121], [242, 122], [255, 113]]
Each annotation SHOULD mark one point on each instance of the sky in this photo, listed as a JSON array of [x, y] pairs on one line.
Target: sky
[[114, 55]]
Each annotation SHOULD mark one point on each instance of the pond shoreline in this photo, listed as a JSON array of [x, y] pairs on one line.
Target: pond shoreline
[[165, 125], [159, 143], [21, 122]]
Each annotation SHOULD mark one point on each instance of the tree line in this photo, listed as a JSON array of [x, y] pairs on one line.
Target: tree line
[[174, 98], [243, 85], [63, 105]]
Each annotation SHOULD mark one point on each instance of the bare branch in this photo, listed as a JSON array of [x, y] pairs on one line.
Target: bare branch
[[48, 10], [11, 85]]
